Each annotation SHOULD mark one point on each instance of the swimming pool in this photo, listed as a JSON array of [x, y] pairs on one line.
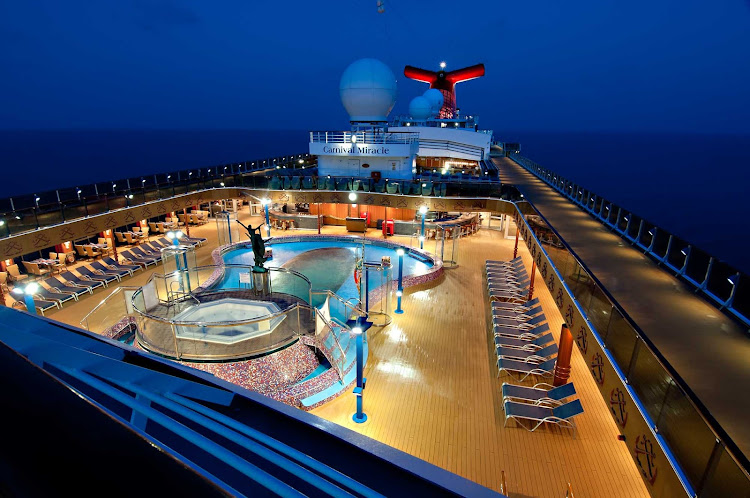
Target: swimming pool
[[328, 262]]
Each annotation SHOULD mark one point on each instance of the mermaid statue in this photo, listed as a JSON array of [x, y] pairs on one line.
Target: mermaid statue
[[259, 246]]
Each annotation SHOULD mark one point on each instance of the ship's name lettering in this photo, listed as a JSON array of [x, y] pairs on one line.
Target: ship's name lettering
[[327, 149]]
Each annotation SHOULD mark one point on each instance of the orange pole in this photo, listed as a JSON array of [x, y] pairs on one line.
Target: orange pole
[[114, 245], [187, 225], [564, 352], [531, 282], [515, 249]]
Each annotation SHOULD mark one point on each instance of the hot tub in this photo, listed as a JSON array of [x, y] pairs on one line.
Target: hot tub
[[221, 321]]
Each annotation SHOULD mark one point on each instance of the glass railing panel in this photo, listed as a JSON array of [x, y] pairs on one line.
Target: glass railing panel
[[697, 264], [635, 223], [677, 253], [718, 281], [650, 381], [620, 340], [727, 479], [599, 311], [687, 434], [742, 296], [660, 244]]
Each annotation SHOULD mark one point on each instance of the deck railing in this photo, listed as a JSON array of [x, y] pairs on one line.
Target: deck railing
[[707, 274], [706, 459], [29, 212], [367, 137]]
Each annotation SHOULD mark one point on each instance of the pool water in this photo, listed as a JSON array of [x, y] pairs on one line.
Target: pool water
[[328, 265]]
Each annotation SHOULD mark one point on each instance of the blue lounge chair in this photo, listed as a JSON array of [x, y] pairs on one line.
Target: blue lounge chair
[[101, 269], [145, 252], [60, 297], [540, 394], [501, 313], [111, 263], [542, 355], [538, 415], [513, 264], [88, 274], [133, 258], [520, 307], [519, 321], [75, 281], [58, 286], [525, 368], [527, 344], [517, 333]]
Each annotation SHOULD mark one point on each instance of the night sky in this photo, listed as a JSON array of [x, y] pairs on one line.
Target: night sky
[[605, 65]]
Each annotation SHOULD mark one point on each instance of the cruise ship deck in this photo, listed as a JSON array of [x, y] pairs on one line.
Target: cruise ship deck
[[707, 348], [433, 391]]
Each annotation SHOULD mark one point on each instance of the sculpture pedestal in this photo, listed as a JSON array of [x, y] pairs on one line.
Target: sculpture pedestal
[[261, 282]]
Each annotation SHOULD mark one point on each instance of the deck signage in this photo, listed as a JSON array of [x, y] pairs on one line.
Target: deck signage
[[360, 149]]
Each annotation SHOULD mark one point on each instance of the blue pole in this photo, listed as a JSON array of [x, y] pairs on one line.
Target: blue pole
[[367, 293], [400, 288], [268, 222], [360, 416], [421, 239], [28, 300], [175, 241]]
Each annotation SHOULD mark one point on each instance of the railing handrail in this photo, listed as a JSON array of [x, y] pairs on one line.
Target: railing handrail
[[342, 356], [104, 301], [369, 137]]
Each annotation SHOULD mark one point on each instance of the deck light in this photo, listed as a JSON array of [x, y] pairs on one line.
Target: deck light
[[422, 209], [114, 186], [352, 196], [421, 238], [354, 138], [222, 184], [169, 176], [190, 174], [300, 161], [442, 65], [130, 196], [424, 185], [265, 202], [625, 218], [399, 293], [78, 191], [651, 233], [17, 217], [37, 199], [175, 237], [278, 167], [143, 180], [733, 280], [28, 295], [685, 251], [400, 252], [2, 222]]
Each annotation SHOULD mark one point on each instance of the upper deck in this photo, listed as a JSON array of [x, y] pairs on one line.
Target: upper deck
[[704, 347]]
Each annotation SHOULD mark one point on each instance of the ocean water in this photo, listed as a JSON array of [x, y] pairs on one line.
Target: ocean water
[[695, 186]]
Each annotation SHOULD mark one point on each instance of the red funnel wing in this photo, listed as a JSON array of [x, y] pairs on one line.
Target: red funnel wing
[[465, 74], [418, 74]]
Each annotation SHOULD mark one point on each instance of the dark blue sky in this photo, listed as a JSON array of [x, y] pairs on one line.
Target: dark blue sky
[[607, 65]]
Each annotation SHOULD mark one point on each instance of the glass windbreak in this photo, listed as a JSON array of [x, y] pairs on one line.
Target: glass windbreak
[[686, 432], [620, 340], [727, 479]]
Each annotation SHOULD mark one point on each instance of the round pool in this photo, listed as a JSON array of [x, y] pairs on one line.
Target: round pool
[[329, 262]]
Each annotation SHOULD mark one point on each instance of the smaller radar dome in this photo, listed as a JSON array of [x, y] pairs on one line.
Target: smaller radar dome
[[435, 97], [368, 90], [420, 108]]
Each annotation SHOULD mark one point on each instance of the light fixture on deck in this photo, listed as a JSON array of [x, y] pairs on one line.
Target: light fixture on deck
[[352, 196], [221, 184], [354, 138], [733, 279], [175, 236], [28, 295]]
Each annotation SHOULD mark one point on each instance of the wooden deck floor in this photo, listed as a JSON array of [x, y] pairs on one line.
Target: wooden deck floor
[[432, 389]]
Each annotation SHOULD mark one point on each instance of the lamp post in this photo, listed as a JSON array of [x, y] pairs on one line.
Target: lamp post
[[360, 416], [423, 212], [733, 280], [181, 262], [400, 288], [265, 202], [28, 296]]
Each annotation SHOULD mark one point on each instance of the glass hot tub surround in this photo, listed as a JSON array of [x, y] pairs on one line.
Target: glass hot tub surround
[[214, 321]]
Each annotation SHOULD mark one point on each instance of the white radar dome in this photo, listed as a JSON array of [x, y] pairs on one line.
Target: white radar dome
[[368, 90], [420, 108], [435, 97]]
